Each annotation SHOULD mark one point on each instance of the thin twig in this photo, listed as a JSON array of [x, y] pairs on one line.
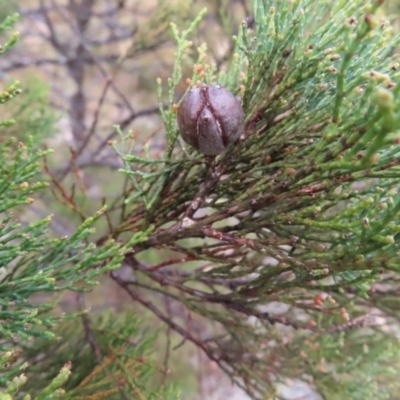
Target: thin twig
[[88, 329]]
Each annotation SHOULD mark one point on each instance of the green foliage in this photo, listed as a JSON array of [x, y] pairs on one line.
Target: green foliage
[[30, 261], [8, 22], [30, 112], [362, 373], [125, 369], [303, 212], [356, 365]]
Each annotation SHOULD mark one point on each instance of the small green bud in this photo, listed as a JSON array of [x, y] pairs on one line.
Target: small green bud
[[383, 98]]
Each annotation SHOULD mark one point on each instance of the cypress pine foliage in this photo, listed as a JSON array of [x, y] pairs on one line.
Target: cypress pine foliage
[[284, 249], [288, 243]]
